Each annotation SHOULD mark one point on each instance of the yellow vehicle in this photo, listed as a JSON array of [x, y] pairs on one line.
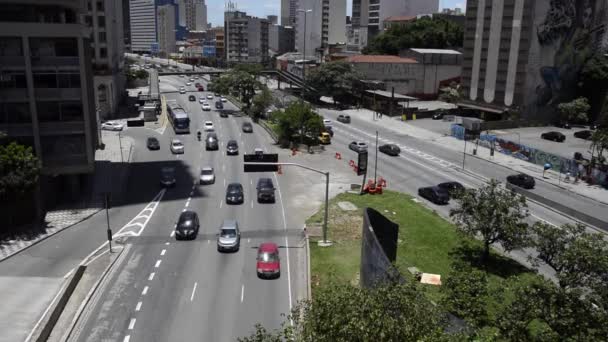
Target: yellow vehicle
[[325, 138]]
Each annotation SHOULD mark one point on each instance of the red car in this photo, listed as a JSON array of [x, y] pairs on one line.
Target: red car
[[200, 88], [268, 261], [198, 85]]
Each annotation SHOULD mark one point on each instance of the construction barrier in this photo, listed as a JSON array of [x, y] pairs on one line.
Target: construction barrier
[[338, 156]]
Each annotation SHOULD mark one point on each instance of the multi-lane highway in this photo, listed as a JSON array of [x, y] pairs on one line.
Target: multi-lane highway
[[168, 290]]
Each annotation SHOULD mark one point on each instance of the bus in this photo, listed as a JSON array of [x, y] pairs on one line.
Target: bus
[[178, 117]]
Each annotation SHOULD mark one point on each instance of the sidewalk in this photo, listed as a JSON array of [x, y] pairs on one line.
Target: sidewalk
[[395, 124]]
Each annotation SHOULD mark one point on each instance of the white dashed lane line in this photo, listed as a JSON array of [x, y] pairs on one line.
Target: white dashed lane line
[[163, 252], [132, 324], [151, 276], [157, 264], [193, 291], [144, 291], [138, 307]]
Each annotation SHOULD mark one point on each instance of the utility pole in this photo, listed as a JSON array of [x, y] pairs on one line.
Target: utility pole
[[304, 40], [376, 162], [109, 230], [464, 153]]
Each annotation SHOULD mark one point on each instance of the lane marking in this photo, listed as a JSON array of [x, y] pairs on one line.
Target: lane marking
[[221, 201], [172, 234], [132, 324], [163, 252], [151, 276], [184, 210], [167, 243], [138, 307], [224, 181], [242, 292], [252, 204], [157, 263], [127, 338], [188, 202], [145, 290], [286, 243], [193, 291]]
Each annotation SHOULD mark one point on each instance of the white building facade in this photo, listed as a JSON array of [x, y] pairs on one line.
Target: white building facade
[[324, 25], [143, 25]]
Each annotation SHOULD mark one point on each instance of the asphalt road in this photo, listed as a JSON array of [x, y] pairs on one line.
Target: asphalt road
[[168, 290]]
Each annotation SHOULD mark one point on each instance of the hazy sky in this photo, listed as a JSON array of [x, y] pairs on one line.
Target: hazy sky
[[262, 8]]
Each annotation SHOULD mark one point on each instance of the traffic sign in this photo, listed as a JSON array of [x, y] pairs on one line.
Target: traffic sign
[[362, 164], [261, 158]]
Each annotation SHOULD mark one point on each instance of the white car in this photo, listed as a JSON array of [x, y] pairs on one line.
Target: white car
[[327, 123], [223, 99], [202, 100], [191, 79], [209, 126], [210, 96], [181, 76], [188, 83], [207, 175], [206, 107], [182, 91], [177, 147], [358, 146], [112, 126]]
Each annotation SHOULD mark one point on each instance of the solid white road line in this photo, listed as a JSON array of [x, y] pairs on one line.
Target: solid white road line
[[138, 306], [151, 276], [251, 203], [276, 180], [132, 324], [144, 291], [193, 291], [157, 263], [163, 252], [127, 338], [172, 233], [242, 292], [221, 201], [224, 181], [167, 243]]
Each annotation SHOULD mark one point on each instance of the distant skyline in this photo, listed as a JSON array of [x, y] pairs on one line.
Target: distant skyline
[[262, 8]]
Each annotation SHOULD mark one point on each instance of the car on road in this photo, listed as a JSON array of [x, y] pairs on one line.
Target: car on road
[[201, 88], [177, 147], [187, 226], [258, 151], [229, 237], [219, 105], [223, 114], [188, 83], [437, 116], [216, 94], [325, 138], [202, 100], [207, 176], [198, 85], [268, 263], [358, 146], [191, 79], [210, 96], [522, 180], [232, 147], [453, 188], [112, 126], [206, 107], [211, 142], [327, 123], [182, 91], [152, 143], [585, 134], [208, 125], [553, 136], [181, 76], [434, 194], [167, 176], [390, 149], [192, 98], [223, 99], [344, 118], [234, 194], [265, 190], [247, 127]]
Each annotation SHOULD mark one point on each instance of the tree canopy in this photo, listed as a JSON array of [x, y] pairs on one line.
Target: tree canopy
[[599, 145], [19, 170], [298, 123], [575, 111], [261, 101], [431, 33], [241, 81], [335, 79]]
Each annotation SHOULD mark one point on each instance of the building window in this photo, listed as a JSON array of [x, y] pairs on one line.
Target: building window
[[13, 80], [52, 79], [100, 5], [68, 80], [101, 21], [103, 53], [54, 47], [11, 46], [88, 20], [15, 113], [373, 21], [102, 37], [89, 5], [53, 111], [45, 80]]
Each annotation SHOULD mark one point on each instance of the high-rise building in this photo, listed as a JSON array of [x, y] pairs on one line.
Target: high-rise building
[[288, 12], [181, 7], [104, 17], [46, 88], [190, 15], [527, 55], [281, 39], [324, 25], [246, 37], [126, 24], [165, 18], [272, 19], [201, 15], [143, 25]]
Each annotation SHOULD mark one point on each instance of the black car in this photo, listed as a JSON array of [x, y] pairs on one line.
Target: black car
[[234, 194], [586, 134], [247, 127], [152, 143], [390, 149], [211, 142], [434, 194], [438, 116], [265, 190], [187, 226], [192, 98], [522, 180], [223, 114], [344, 118], [232, 147], [167, 176], [553, 136], [452, 188], [219, 105]]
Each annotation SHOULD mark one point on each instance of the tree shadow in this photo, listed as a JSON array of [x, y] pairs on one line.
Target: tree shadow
[[495, 264]]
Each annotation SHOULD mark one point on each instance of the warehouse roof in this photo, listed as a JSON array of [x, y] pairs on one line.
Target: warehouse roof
[[380, 59]]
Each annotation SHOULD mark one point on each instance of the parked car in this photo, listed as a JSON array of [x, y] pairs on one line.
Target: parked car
[[329, 130], [234, 194], [434, 194], [229, 237], [152, 143], [177, 147], [198, 85], [438, 116], [586, 134], [216, 94], [208, 126], [219, 105], [344, 118], [247, 127], [325, 138], [112, 126], [188, 83], [187, 226], [206, 107], [327, 123], [390, 149], [265, 190], [207, 176], [453, 188], [522, 180], [211, 142], [167, 176], [553, 136], [268, 263], [192, 98], [358, 146], [191, 79], [232, 147], [201, 88]]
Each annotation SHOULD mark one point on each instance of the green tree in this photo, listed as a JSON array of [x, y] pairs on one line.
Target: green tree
[[261, 101], [575, 111], [594, 80], [434, 33], [452, 93], [19, 170], [335, 79], [465, 293], [241, 81], [299, 123], [344, 313], [599, 145], [492, 215]]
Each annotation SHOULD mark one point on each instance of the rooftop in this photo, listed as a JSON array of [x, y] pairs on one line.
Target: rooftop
[[438, 51], [380, 59], [400, 18]]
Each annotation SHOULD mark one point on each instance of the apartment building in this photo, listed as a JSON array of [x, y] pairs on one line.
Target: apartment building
[[165, 23], [142, 15], [46, 92], [246, 38], [320, 23], [288, 12]]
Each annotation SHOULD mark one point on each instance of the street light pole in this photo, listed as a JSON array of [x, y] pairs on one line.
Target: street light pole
[[304, 40], [464, 153], [376, 162]]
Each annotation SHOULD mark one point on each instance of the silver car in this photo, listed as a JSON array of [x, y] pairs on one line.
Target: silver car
[[229, 237], [177, 147], [207, 176]]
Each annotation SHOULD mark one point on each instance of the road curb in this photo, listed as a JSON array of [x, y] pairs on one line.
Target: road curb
[[308, 273]]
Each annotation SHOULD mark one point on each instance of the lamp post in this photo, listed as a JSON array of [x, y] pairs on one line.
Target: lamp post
[[304, 40]]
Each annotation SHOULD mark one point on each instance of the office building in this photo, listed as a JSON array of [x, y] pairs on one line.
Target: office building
[[165, 17], [288, 12], [246, 37], [272, 19], [280, 39], [126, 24], [527, 55], [143, 25], [201, 15], [46, 92], [324, 25], [181, 8], [220, 51]]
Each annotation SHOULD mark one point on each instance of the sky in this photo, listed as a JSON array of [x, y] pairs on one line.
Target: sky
[[262, 8]]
